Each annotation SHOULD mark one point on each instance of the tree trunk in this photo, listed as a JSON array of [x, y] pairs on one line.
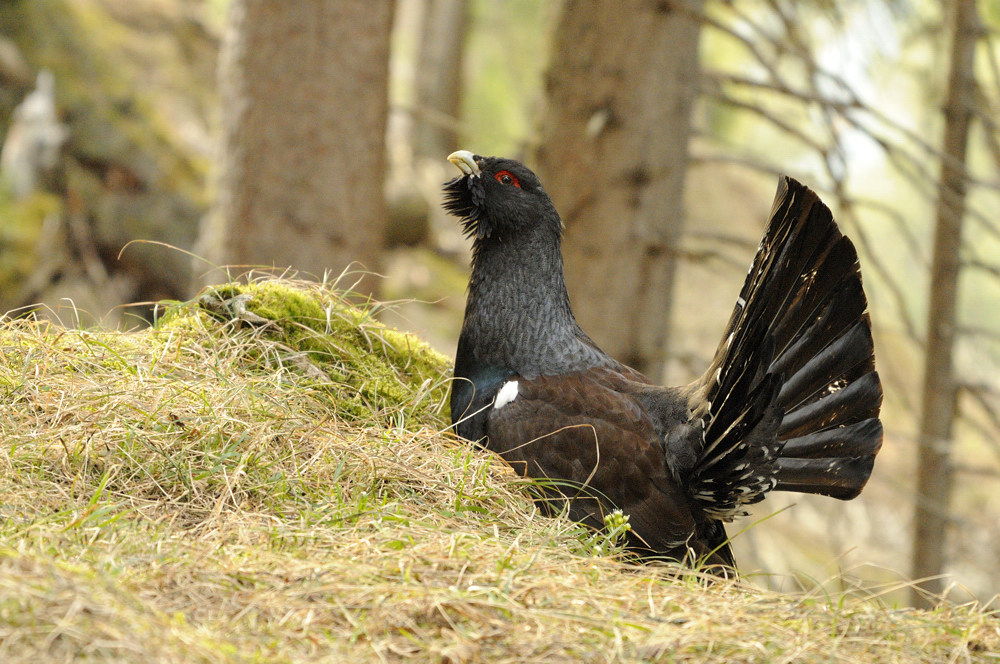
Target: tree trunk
[[613, 156], [934, 479], [304, 94], [439, 78]]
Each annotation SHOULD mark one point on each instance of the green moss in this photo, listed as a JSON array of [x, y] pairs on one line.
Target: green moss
[[128, 81], [364, 366], [99, 88], [20, 225]]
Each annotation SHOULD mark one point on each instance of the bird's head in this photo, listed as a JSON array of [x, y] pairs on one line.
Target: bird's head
[[497, 197]]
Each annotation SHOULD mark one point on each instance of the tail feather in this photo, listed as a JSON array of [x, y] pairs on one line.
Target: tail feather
[[862, 438], [791, 399], [852, 348], [858, 401], [837, 478], [845, 306], [832, 276]]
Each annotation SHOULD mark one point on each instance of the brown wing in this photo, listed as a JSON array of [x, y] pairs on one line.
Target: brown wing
[[589, 437]]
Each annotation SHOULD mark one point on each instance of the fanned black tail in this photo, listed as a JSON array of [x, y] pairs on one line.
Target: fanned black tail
[[791, 400]]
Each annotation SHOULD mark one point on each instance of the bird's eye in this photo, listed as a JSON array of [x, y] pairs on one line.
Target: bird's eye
[[506, 177]]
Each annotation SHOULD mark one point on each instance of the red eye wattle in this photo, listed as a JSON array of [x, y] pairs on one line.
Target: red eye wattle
[[506, 177]]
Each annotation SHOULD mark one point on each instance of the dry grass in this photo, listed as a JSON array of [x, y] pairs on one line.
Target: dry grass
[[222, 488]]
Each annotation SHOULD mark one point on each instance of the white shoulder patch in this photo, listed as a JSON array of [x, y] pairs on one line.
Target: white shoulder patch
[[506, 394]]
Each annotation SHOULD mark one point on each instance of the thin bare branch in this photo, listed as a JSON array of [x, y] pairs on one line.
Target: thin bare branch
[[765, 114], [977, 264], [976, 331], [980, 395], [900, 223], [723, 238]]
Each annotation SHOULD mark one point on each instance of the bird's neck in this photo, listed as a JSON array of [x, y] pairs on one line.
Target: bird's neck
[[518, 314]]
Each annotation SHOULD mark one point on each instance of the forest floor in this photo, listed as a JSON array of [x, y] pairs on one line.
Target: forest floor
[[266, 475]]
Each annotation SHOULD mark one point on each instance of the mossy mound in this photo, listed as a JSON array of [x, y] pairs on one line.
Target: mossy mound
[[332, 344]]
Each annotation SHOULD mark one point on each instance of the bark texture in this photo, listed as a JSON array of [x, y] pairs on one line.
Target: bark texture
[[304, 112], [613, 156], [935, 474]]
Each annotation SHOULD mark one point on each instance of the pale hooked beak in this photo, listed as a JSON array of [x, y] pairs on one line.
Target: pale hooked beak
[[466, 162]]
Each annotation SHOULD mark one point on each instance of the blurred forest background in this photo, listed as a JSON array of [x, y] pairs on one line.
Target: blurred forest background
[[313, 134]]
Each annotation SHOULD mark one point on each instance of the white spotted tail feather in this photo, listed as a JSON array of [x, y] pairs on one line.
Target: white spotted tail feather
[[791, 399]]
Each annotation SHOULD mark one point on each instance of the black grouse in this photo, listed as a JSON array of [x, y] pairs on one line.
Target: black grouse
[[789, 403]]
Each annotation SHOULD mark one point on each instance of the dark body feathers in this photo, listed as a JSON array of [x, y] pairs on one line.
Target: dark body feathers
[[789, 402]]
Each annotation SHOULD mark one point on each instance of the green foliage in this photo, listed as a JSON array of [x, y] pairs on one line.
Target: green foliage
[[130, 90], [611, 540], [20, 225]]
